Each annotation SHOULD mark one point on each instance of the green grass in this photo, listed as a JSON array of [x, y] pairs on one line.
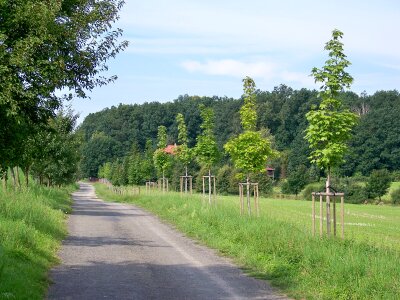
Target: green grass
[[32, 225], [278, 245]]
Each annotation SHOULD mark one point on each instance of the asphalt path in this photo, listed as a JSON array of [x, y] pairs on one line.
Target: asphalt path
[[119, 251]]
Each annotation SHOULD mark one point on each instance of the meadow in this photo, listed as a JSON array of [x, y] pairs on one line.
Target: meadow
[[279, 246], [32, 226]]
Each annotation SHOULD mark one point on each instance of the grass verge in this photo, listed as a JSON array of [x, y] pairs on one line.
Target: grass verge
[[281, 251], [32, 225]]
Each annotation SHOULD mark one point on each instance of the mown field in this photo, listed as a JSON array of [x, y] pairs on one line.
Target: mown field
[[32, 225], [279, 246]]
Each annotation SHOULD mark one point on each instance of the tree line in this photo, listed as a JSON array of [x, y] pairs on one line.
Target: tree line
[[110, 134]]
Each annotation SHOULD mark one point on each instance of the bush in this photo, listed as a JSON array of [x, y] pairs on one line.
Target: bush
[[265, 183], [224, 175], [378, 183], [312, 187], [296, 181], [395, 196]]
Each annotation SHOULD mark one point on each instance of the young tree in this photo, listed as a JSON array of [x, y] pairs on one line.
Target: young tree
[[162, 160], [206, 149], [330, 124], [183, 153], [250, 150]]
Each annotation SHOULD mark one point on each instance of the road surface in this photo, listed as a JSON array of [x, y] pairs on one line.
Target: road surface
[[118, 251]]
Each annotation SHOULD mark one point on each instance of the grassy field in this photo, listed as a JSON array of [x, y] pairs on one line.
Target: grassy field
[[278, 245], [32, 225]]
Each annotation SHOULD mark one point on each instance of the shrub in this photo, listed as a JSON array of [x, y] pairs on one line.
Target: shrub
[[224, 179], [265, 183], [312, 187], [378, 183], [296, 181], [395, 196]]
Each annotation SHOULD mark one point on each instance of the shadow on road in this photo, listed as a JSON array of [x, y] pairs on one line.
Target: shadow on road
[[154, 281]]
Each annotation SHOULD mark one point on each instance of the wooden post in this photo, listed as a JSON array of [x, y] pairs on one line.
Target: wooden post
[[241, 198], [313, 214], [334, 215], [181, 185], [342, 214], [215, 191], [248, 196], [256, 199], [321, 216], [328, 216], [191, 185], [204, 187]]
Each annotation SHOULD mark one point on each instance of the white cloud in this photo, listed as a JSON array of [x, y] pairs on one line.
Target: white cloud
[[230, 67], [263, 70]]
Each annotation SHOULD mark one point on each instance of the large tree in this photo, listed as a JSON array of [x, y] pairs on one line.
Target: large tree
[[331, 123], [49, 46]]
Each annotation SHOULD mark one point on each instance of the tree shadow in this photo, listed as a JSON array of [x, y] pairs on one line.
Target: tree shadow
[[128, 280]]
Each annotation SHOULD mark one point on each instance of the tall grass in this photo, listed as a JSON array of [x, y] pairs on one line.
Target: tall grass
[[32, 225], [272, 247]]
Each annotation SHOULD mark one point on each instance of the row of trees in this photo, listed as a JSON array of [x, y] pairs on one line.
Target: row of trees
[[45, 48], [328, 131]]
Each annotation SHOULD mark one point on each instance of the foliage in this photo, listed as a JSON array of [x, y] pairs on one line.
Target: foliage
[[183, 152], [330, 125], [248, 113], [162, 160], [162, 137], [206, 149], [378, 183], [249, 151], [47, 47]]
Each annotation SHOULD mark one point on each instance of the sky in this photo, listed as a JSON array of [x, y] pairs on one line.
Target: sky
[[207, 47]]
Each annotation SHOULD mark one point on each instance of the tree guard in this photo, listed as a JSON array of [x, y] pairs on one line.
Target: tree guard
[[184, 182], [328, 213], [163, 184], [212, 186], [150, 185], [248, 186]]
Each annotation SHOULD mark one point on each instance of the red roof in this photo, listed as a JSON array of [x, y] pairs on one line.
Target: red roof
[[170, 149]]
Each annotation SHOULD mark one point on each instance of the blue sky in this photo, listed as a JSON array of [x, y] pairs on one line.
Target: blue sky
[[206, 47]]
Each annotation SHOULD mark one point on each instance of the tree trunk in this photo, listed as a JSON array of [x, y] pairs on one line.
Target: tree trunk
[[4, 180], [248, 194], [209, 186], [186, 179], [328, 203], [163, 181], [13, 177], [26, 174], [18, 179]]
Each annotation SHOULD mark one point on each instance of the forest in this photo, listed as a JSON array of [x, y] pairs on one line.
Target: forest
[[118, 134]]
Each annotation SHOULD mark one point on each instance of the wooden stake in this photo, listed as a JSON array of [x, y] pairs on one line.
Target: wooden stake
[[342, 214], [313, 214], [321, 216], [334, 216]]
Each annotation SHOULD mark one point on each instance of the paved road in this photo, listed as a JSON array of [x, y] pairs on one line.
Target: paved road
[[119, 251]]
